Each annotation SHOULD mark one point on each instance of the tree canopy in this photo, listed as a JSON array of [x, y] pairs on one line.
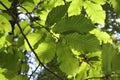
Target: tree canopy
[[71, 39]]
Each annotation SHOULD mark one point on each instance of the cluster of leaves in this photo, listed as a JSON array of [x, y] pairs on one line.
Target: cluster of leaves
[[63, 31]]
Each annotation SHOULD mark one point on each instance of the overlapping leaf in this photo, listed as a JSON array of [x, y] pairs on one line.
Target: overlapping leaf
[[82, 71], [73, 24], [25, 28], [33, 39], [83, 43], [68, 63], [56, 14], [46, 49], [10, 63], [102, 36]]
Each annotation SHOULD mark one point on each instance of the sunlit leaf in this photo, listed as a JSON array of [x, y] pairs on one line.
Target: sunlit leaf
[[7, 16], [102, 36], [4, 24], [75, 7], [46, 49], [2, 76], [25, 28], [5, 2], [33, 39], [95, 12], [82, 71]]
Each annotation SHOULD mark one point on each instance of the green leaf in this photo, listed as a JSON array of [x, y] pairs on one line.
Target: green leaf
[[2, 39], [95, 72], [1, 75], [102, 36], [26, 3], [4, 24], [107, 53], [24, 67], [95, 12], [95, 64], [6, 3], [20, 77], [116, 63], [6, 15], [33, 39], [68, 63], [25, 27], [75, 7], [73, 24], [82, 43], [36, 1], [56, 14], [9, 60], [116, 6], [82, 71], [46, 49], [101, 2]]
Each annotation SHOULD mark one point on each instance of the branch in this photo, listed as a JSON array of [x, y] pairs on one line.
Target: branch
[[33, 72], [31, 18], [40, 63]]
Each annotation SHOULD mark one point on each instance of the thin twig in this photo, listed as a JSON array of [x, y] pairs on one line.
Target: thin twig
[[40, 63], [34, 71], [30, 17]]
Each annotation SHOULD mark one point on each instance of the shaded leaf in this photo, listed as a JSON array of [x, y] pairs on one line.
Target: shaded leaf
[[73, 24], [107, 53], [116, 63], [56, 14], [101, 2], [116, 6]]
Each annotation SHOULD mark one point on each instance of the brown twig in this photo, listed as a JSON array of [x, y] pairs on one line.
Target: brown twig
[[40, 63]]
